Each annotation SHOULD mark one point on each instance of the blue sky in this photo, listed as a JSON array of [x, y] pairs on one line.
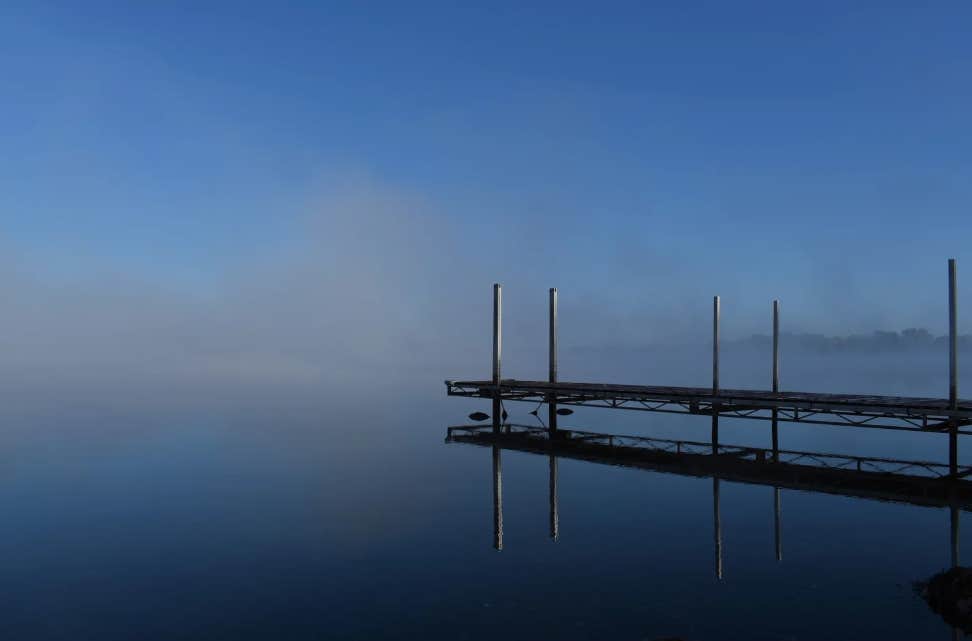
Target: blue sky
[[819, 152]]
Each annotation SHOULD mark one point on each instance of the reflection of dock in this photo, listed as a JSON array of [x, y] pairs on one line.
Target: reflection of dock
[[916, 482]]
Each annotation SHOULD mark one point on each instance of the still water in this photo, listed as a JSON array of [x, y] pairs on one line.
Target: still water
[[360, 522]]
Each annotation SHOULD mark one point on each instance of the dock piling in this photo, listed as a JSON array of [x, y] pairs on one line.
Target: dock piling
[[552, 399], [715, 375], [715, 345], [776, 378], [952, 337], [952, 366], [497, 353]]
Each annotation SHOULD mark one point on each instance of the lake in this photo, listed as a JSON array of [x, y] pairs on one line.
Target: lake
[[361, 522]]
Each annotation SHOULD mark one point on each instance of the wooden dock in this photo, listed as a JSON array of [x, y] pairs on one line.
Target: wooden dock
[[886, 412], [942, 415]]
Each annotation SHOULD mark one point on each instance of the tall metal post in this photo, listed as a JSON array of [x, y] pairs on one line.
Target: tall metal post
[[952, 366], [717, 519], [497, 353], [715, 374], [552, 398], [952, 337], [554, 503], [776, 378], [497, 499], [715, 345]]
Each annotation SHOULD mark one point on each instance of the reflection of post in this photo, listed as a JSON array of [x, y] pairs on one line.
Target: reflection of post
[[497, 499], [554, 507], [715, 374], [718, 527], [776, 377], [497, 352], [777, 509], [552, 399], [954, 514]]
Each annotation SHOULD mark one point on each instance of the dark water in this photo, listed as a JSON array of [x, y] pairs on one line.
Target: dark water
[[361, 522]]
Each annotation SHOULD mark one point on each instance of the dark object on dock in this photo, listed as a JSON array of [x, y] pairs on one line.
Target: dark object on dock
[[565, 411], [950, 595], [478, 416]]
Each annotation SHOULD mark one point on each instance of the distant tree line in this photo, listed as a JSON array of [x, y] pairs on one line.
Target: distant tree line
[[913, 338]]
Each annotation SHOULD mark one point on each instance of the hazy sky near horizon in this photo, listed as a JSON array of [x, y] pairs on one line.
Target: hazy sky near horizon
[[260, 190]]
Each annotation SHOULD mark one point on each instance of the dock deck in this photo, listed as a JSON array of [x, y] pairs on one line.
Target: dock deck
[[887, 412]]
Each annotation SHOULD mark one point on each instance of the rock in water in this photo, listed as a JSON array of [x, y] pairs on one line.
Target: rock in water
[[950, 595]]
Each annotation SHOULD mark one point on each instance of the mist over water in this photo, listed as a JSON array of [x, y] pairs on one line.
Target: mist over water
[[265, 459], [372, 279], [260, 453]]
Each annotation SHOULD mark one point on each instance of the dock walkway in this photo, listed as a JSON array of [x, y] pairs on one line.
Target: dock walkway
[[887, 412]]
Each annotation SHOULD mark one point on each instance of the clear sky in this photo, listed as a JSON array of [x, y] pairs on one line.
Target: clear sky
[[643, 155]]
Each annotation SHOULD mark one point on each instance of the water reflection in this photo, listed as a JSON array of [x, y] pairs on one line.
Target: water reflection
[[717, 527], [497, 498], [897, 480], [911, 482], [554, 509], [777, 516]]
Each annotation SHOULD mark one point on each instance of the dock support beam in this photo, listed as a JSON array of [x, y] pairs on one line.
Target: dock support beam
[[952, 366], [715, 374], [497, 353], [552, 399], [776, 378]]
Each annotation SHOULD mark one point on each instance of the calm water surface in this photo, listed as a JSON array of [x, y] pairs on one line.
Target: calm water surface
[[361, 523]]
